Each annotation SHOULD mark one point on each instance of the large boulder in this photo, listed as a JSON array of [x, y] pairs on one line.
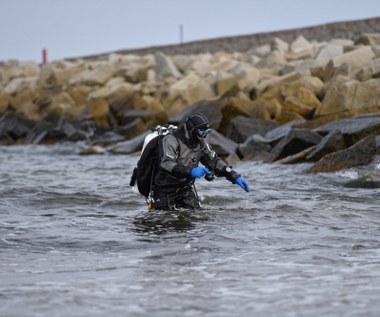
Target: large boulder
[[368, 39], [332, 142], [222, 145], [4, 102], [210, 108], [254, 148], [296, 105], [25, 102], [353, 129], [60, 73], [188, 90], [165, 67], [328, 52], [371, 70], [240, 128], [344, 94], [150, 118], [131, 146], [132, 129], [360, 153], [354, 60], [17, 69], [280, 132], [295, 141], [94, 75], [14, 127], [61, 104], [298, 157], [300, 48]]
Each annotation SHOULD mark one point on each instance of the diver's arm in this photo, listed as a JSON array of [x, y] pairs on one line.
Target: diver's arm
[[168, 152], [211, 160]]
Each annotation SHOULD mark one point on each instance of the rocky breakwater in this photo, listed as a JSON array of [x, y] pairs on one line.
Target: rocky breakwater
[[280, 102]]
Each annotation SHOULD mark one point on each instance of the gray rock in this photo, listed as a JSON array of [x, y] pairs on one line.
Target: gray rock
[[278, 133], [296, 158], [210, 108], [366, 181], [296, 141], [353, 129], [222, 145], [360, 153], [240, 128], [14, 126], [130, 146], [332, 142], [254, 148]]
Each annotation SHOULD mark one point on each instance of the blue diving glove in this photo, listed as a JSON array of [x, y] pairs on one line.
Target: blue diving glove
[[199, 171], [242, 183]]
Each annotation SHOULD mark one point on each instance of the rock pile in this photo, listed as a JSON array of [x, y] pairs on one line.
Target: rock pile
[[284, 102]]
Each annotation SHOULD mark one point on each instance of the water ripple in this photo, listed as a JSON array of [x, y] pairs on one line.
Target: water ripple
[[75, 240]]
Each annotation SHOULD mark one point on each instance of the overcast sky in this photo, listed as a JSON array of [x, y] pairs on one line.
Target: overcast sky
[[73, 28]]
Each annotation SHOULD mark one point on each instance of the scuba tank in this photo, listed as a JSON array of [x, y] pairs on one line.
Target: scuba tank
[[143, 174]]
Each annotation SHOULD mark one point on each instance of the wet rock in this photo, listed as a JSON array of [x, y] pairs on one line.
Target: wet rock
[[360, 153], [222, 145], [130, 146], [107, 138], [378, 144], [14, 127], [295, 141], [366, 181], [92, 150], [232, 159], [43, 130], [353, 129], [332, 142], [240, 128], [75, 132], [255, 148], [133, 129], [53, 129], [296, 158], [278, 133]]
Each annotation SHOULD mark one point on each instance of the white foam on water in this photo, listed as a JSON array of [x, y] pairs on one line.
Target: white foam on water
[[351, 174]]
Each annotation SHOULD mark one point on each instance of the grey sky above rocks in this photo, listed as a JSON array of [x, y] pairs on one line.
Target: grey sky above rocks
[[73, 28]]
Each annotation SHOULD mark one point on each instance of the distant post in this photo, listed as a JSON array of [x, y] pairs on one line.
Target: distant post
[[44, 56], [180, 33]]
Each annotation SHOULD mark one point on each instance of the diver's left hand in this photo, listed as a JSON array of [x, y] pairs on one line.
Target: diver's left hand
[[242, 183]]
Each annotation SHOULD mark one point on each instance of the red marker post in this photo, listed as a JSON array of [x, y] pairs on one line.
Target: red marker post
[[44, 56]]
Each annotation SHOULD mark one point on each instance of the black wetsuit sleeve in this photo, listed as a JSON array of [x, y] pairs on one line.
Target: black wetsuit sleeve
[[211, 160]]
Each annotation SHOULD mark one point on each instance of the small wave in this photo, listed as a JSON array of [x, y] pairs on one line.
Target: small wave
[[350, 174]]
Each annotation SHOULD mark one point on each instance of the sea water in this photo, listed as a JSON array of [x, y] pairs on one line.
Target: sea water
[[76, 241]]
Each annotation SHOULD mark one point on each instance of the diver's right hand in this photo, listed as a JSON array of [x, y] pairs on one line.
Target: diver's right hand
[[199, 171]]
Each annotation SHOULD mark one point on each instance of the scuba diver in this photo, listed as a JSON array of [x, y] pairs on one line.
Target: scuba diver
[[179, 154]]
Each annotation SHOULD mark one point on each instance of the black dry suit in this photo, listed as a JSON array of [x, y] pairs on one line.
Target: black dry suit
[[179, 152]]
